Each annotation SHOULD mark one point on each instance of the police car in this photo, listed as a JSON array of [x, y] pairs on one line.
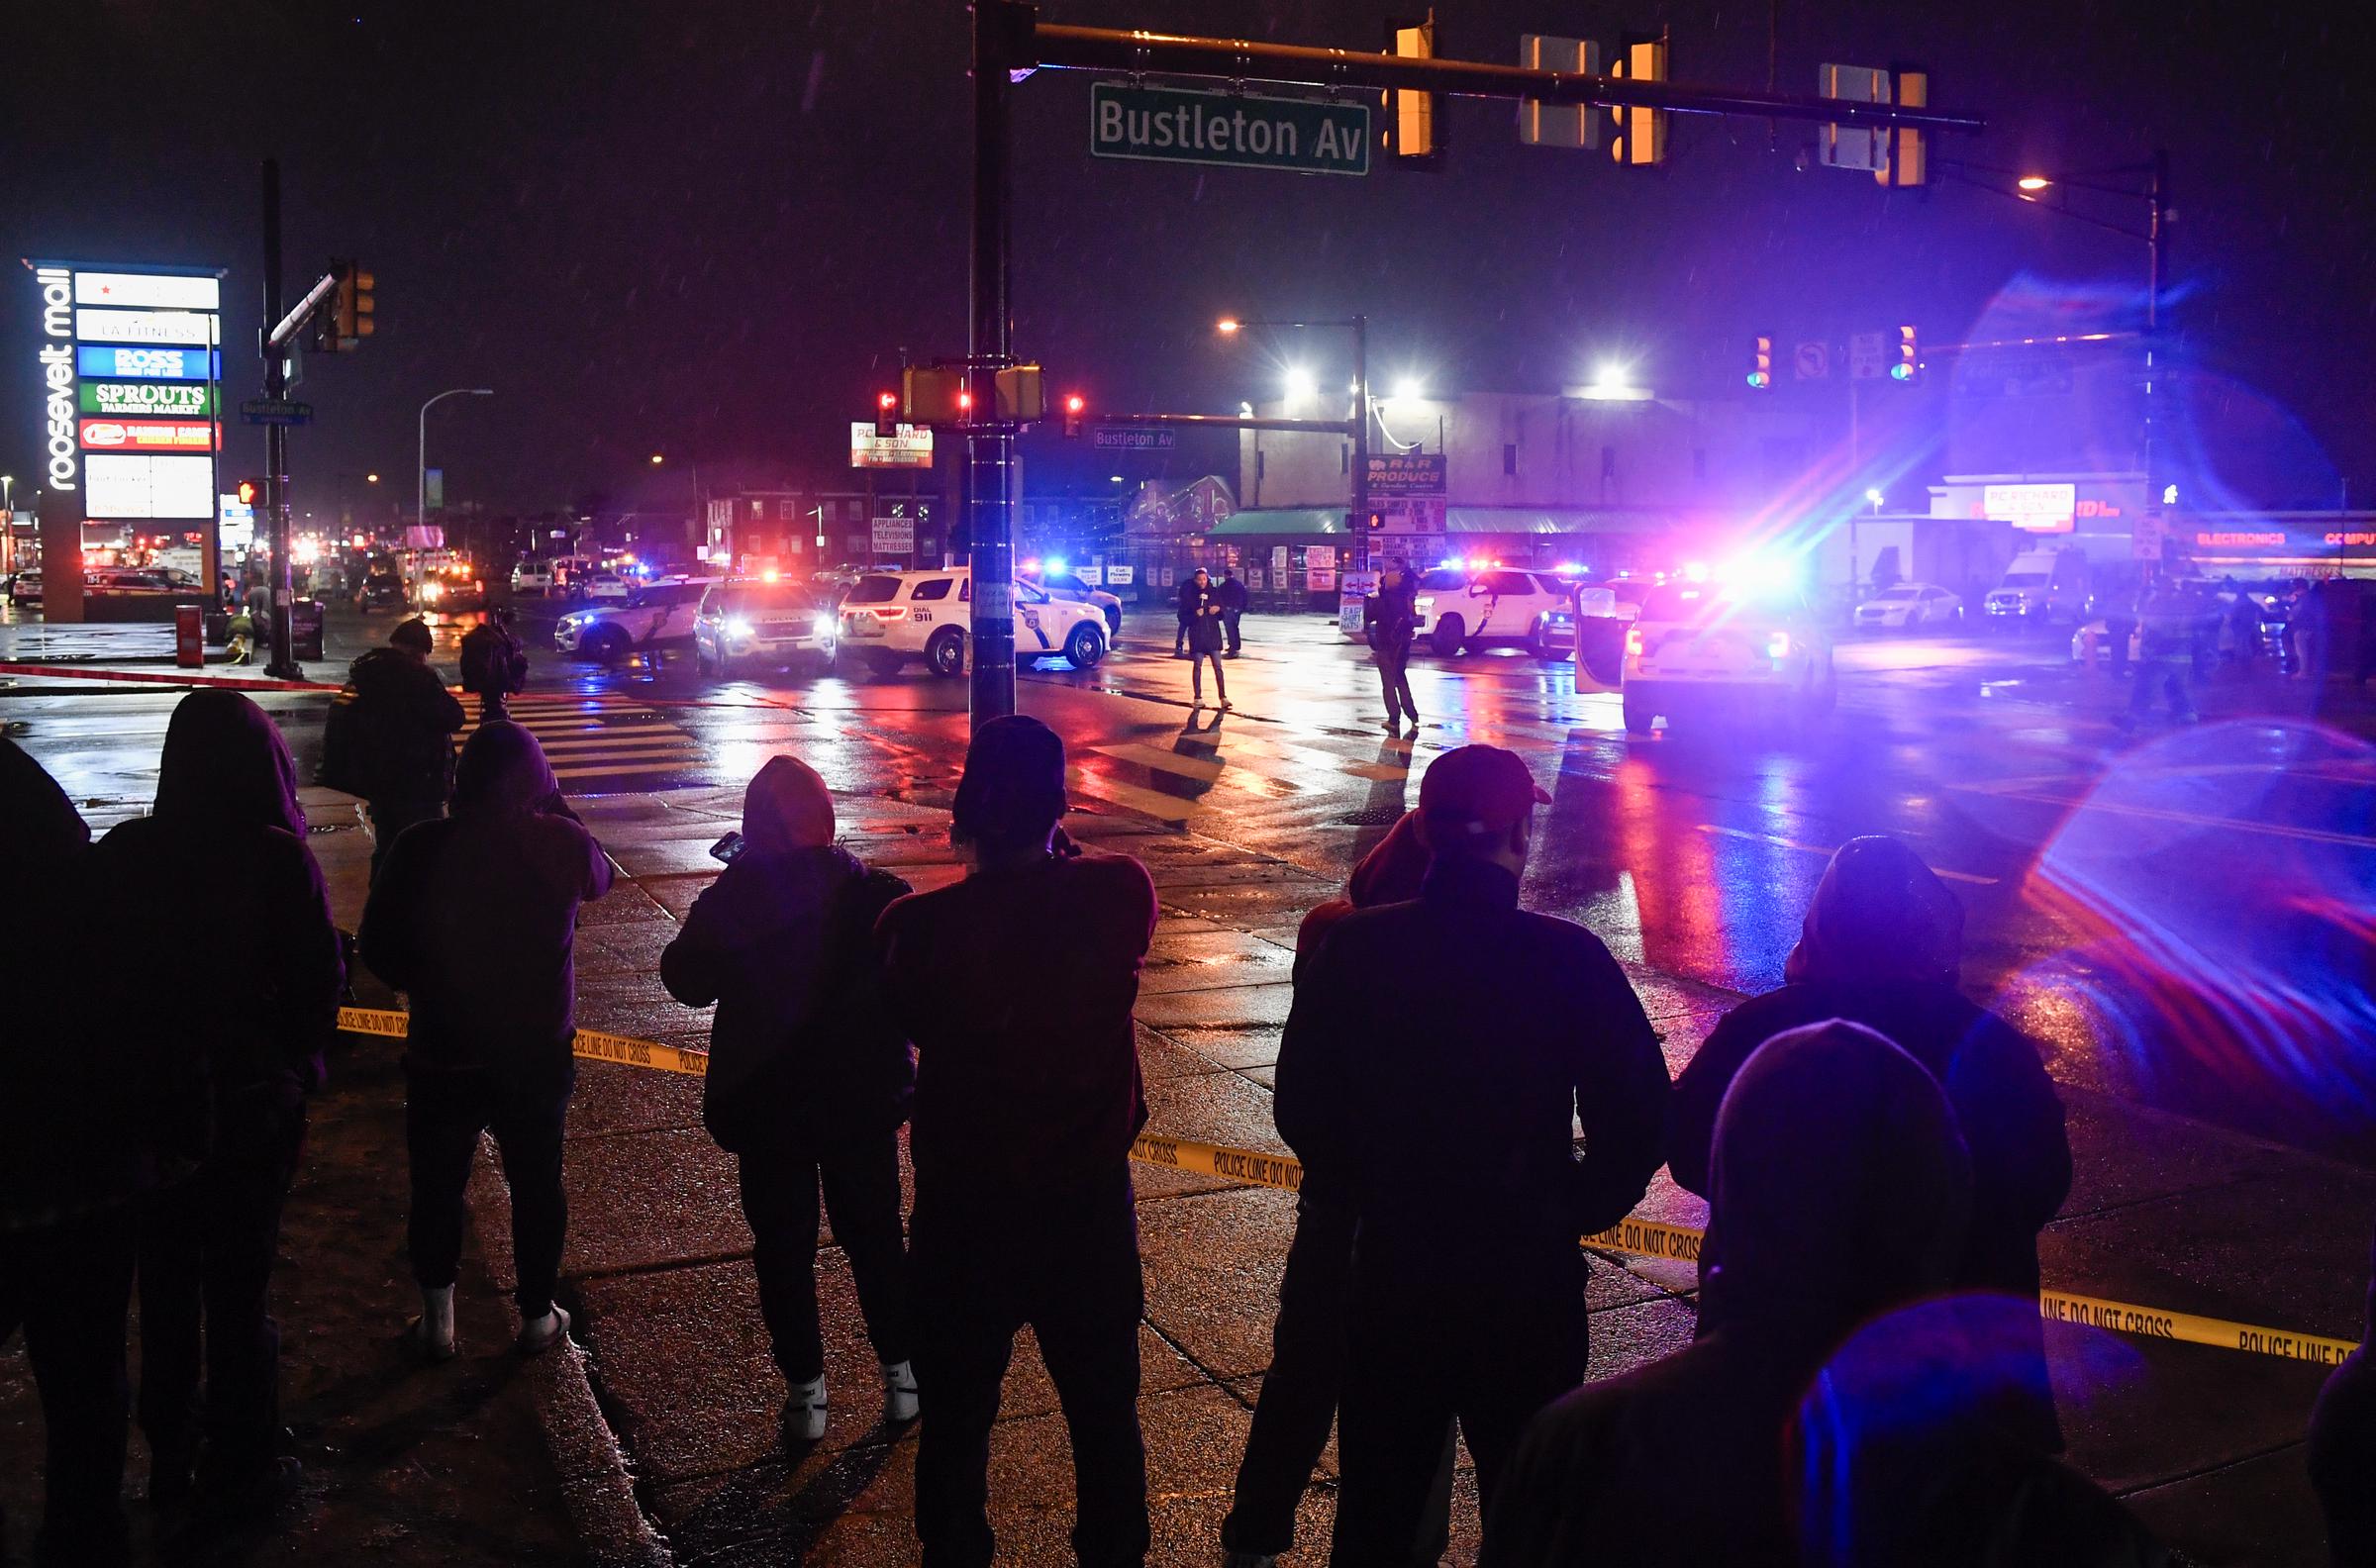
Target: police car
[[890, 618], [1699, 645], [1461, 611], [763, 621], [660, 615]]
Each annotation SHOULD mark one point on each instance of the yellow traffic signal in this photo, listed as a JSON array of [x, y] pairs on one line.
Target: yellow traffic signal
[[1410, 116], [354, 306], [1641, 133]]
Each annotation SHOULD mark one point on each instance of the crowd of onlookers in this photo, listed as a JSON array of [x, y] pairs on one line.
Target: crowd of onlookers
[[1868, 1385]]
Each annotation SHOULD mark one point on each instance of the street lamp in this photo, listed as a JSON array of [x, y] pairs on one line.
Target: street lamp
[[1358, 517], [656, 459], [420, 462], [1875, 497], [371, 478]]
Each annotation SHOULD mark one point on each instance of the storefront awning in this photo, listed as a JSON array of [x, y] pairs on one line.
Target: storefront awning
[[1279, 521]]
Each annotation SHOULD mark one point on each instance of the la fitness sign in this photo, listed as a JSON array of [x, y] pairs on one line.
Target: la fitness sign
[[57, 375]]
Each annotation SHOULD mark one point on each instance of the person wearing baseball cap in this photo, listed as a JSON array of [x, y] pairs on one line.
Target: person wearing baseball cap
[[1435, 1055]]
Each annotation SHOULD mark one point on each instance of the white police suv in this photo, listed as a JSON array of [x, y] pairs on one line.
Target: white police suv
[[890, 618]]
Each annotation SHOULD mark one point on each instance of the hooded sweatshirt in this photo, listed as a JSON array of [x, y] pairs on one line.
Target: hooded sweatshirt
[[1881, 945], [1841, 1186], [218, 893], [475, 918], [2342, 1450], [62, 1088], [803, 1047]]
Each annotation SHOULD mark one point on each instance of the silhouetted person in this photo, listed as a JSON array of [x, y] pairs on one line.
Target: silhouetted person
[[1298, 1401], [1392, 627], [494, 665], [1187, 590], [1027, 1098], [1452, 1137], [2342, 1452], [2170, 633], [70, 1169], [809, 1076], [1881, 945], [1233, 607], [227, 1078], [474, 919], [1201, 603], [403, 728], [1840, 1191]]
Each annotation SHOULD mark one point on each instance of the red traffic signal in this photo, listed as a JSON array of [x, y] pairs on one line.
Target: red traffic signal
[[1076, 406], [252, 492], [1377, 521], [886, 413]]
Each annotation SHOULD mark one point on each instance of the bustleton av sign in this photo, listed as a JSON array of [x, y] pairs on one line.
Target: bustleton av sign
[[1173, 125]]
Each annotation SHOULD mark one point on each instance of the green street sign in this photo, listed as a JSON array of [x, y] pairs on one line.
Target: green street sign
[[1170, 124], [156, 399]]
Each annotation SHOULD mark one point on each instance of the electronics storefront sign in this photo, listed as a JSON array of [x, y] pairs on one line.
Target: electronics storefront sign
[[2037, 508], [148, 436], [150, 364], [145, 327], [152, 399], [126, 488], [911, 448]]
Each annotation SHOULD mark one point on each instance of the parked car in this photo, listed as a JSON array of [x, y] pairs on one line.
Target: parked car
[[757, 620], [2040, 586], [1069, 586], [382, 587], [606, 587], [532, 576], [26, 587], [890, 618], [607, 632], [1909, 605], [1697, 647], [1462, 611]]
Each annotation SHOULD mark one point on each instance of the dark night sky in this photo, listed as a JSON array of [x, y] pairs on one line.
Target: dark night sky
[[709, 230]]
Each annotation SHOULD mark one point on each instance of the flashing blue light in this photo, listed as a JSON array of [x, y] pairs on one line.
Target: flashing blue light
[[1056, 564]]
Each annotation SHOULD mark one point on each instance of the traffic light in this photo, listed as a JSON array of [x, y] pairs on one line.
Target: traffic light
[[1377, 521], [1076, 406], [1641, 133], [1410, 132], [252, 492], [1909, 363], [350, 308], [1761, 364], [886, 413]]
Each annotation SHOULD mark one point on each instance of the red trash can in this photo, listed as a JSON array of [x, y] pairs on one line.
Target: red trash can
[[189, 636]]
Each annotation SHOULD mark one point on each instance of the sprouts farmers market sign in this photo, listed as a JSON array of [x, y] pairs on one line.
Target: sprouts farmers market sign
[[1170, 125]]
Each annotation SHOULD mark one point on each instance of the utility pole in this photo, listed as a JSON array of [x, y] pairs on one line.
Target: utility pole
[[990, 453], [1360, 496], [2156, 261], [283, 664]]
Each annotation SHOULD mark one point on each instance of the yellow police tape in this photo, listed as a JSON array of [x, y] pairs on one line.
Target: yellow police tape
[[1646, 1238]]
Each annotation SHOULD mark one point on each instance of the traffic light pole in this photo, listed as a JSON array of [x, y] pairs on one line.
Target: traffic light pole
[[1358, 522], [283, 664], [990, 452]]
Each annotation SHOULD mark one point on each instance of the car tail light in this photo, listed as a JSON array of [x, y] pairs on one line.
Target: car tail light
[[1778, 646], [1634, 641], [891, 612]]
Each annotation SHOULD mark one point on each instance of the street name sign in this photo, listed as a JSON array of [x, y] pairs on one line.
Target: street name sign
[[275, 411], [1134, 437], [1172, 124]]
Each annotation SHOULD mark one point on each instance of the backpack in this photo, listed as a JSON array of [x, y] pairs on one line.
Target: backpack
[[344, 747]]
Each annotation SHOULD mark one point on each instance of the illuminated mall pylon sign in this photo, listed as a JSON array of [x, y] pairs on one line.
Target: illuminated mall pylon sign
[[57, 374]]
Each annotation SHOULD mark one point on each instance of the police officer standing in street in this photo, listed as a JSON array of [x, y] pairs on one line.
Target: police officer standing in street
[[1393, 625], [1454, 1144]]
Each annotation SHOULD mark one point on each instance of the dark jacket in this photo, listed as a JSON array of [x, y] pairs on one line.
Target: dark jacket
[[1396, 619], [474, 917], [405, 729], [1881, 945], [66, 1103], [1189, 597], [1436, 1053], [1840, 1187], [218, 893], [1016, 987], [1233, 594], [2342, 1452], [493, 663], [803, 1047]]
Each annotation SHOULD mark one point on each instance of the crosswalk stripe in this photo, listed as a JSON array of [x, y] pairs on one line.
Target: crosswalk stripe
[[1808, 848], [622, 769], [1203, 769], [1148, 802]]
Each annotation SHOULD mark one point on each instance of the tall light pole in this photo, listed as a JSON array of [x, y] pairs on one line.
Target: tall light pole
[[1357, 523], [420, 462]]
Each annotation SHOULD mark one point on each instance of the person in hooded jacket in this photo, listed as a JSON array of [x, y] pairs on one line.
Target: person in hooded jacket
[[69, 1174], [494, 665], [1298, 1402], [1881, 947], [404, 722], [474, 919], [224, 1086], [1841, 1189], [809, 1077]]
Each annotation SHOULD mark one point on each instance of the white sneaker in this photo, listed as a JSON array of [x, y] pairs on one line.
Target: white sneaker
[[802, 1419], [899, 1393], [539, 1334]]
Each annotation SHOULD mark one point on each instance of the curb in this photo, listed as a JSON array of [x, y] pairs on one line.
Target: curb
[[597, 1486]]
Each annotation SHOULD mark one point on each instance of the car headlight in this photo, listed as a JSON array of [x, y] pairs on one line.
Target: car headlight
[[737, 627], [432, 589]]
